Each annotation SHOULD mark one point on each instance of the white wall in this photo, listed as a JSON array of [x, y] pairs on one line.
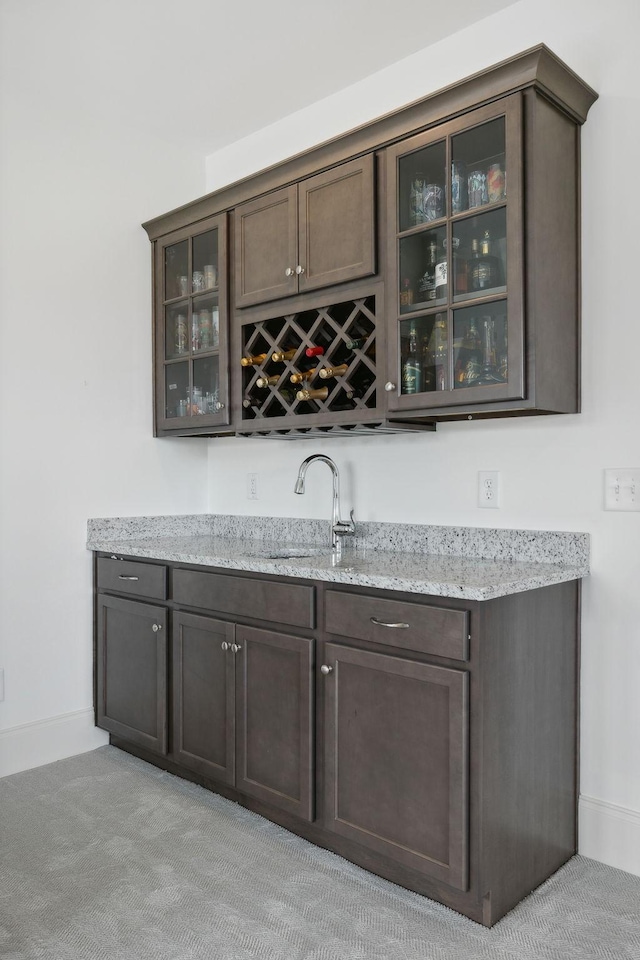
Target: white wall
[[552, 469], [76, 179]]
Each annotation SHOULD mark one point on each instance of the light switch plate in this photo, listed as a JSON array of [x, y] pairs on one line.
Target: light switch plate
[[622, 489]]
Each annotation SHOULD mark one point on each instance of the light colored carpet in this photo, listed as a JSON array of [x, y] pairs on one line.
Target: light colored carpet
[[104, 857]]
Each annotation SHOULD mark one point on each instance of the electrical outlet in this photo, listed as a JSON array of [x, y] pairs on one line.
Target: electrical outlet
[[622, 489], [489, 489], [252, 486]]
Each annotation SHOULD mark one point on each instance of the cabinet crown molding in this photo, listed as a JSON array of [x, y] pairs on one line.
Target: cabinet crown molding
[[538, 68]]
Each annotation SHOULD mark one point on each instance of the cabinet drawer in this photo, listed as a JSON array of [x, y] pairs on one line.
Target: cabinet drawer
[[272, 600], [396, 623], [127, 576]]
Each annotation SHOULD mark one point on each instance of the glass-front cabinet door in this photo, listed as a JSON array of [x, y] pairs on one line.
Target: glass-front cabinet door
[[191, 329], [456, 277]]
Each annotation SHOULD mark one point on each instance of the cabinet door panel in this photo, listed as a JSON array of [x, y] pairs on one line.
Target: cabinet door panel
[[265, 247], [337, 225], [275, 700], [204, 696], [132, 671], [396, 759]]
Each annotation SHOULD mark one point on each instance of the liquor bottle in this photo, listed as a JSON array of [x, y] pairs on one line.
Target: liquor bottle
[[302, 375], [406, 294], [484, 270], [314, 351], [412, 366], [254, 361], [468, 362], [440, 285], [356, 344], [460, 270], [320, 394], [281, 355], [440, 351], [327, 372], [427, 282], [267, 381]]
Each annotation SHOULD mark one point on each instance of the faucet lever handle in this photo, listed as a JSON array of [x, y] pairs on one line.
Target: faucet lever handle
[[345, 527]]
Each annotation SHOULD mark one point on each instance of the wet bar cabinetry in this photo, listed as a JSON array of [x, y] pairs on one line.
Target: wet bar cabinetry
[[429, 260], [428, 739]]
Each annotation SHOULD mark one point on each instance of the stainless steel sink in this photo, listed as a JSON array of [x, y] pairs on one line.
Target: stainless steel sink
[[294, 553]]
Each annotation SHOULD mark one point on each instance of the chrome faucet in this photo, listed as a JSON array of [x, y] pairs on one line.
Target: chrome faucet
[[339, 528]]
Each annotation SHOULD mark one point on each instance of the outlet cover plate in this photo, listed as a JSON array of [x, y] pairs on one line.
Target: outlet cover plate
[[489, 489]]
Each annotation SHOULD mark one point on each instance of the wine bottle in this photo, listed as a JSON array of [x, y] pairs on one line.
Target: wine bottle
[[254, 361], [412, 366], [281, 355], [314, 351], [287, 394], [267, 381], [320, 394], [302, 375], [328, 372]]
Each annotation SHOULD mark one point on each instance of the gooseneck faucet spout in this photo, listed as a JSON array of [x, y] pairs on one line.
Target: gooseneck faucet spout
[[339, 528]]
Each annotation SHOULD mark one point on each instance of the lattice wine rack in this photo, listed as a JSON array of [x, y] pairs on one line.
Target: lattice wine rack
[[315, 362]]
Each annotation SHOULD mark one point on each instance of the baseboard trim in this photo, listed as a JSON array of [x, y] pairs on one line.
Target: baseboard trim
[[609, 833], [44, 741]]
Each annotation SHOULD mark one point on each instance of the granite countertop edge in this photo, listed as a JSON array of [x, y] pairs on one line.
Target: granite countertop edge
[[465, 577]]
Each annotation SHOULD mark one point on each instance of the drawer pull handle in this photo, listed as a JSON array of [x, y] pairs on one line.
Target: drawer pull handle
[[224, 645], [121, 576], [236, 647], [326, 669], [156, 627], [395, 626]]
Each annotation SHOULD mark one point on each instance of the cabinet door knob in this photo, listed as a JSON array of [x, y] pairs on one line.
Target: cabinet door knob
[[224, 645], [156, 627], [289, 272], [299, 269], [389, 386], [236, 647], [326, 669]]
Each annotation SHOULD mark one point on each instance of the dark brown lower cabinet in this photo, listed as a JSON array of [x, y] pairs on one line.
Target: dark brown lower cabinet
[[132, 671], [243, 709], [445, 737], [396, 759]]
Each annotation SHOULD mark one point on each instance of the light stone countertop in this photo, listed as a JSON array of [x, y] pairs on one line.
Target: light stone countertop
[[467, 563]]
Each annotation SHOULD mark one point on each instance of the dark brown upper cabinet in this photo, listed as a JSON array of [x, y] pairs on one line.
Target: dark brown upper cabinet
[[471, 309], [309, 235], [191, 330]]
